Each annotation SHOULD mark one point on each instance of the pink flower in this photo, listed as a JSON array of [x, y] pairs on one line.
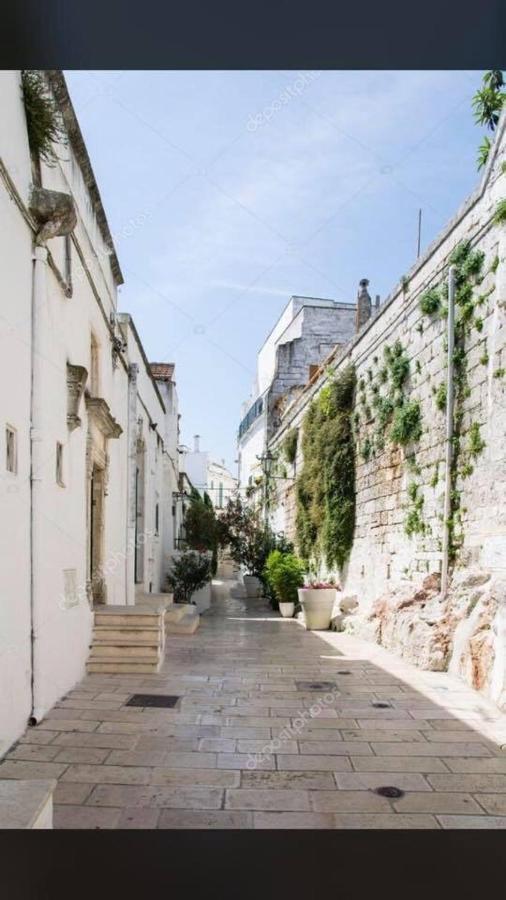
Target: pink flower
[[321, 586]]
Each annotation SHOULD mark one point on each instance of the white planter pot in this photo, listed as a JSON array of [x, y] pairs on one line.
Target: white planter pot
[[252, 585], [287, 610], [202, 598], [318, 604]]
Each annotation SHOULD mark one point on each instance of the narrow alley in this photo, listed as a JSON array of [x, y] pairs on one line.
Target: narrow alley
[[275, 727]]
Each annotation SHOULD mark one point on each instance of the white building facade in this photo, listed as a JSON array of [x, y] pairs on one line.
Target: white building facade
[[305, 333], [88, 429]]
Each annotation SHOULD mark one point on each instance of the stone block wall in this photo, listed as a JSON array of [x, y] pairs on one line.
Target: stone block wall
[[392, 573]]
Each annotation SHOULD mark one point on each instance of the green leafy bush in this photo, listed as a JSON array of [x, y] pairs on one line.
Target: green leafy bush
[[284, 573], [44, 125], [187, 574], [290, 445], [430, 302]]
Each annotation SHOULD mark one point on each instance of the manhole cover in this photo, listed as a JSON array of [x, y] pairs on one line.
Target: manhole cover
[[316, 685], [380, 704], [165, 701], [389, 791]]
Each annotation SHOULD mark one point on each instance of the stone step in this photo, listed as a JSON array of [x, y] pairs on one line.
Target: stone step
[[26, 804], [120, 620], [125, 637], [111, 651], [187, 624], [117, 667]]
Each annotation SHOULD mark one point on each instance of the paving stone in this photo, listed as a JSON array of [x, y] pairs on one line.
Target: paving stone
[[139, 757], [273, 745], [208, 777], [67, 792], [430, 749], [492, 764], [245, 761], [348, 801], [495, 804], [287, 780], [85, 817], [368, 734], [365, 781], [219, 745], [273, 799], [105, 741], [334, 748], [223, 818], [52, 724], [139, 818], [176, 797], [292, 820], [34, 736], [421, 764], [472, 783], [436, 802], [305, 762], [108, 774], [469, 822], [241, 731], [17, 768], [82, 755], [33, 752], [383, 820]]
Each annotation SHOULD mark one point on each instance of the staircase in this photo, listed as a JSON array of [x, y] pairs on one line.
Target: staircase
[[131, 639], [127, 639]]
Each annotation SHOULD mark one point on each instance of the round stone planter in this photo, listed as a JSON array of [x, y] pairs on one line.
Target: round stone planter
[[252, 585], [318, 604], [287, 610]]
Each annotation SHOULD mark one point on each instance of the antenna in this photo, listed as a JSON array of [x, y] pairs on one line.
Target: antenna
[[419, 232]]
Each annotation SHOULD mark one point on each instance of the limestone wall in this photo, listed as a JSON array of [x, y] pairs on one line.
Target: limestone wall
[[387, 566]]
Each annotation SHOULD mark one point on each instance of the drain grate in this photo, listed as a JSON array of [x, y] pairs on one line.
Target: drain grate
[[389, 791], [344, 672], [380, 704], [315, 685], [163, 701]]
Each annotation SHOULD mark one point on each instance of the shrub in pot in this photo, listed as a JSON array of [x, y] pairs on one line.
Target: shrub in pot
[[317, 599], [284, 572], [188, 573]]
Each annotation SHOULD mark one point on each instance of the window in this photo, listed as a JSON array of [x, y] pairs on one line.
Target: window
[[59, 464], [157, 518], [220, 495], [11, 449]]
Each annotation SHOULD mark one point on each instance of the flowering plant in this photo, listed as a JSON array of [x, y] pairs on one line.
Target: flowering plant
[[321, 585]]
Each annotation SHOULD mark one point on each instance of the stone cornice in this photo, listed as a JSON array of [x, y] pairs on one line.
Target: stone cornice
[[100, 414]]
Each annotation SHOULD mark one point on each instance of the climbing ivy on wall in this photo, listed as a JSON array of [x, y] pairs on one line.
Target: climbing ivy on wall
[[325, 488]]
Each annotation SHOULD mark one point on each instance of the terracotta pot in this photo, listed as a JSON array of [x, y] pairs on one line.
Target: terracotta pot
[[287, 610], [253, 585], [318, 604]]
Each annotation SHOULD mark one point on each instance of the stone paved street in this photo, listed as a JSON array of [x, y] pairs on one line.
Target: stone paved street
[[276, 728]]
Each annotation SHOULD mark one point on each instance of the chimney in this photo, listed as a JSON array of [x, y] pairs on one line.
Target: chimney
[[196, 443], [364, 304]]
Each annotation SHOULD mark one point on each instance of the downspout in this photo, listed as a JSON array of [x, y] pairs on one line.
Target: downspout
[[449, 432], [133, 371], [55, 215]]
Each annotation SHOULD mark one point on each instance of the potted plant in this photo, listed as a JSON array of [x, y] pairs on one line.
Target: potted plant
[[249, 542], [317, 599], [284, 573], [188, 573]]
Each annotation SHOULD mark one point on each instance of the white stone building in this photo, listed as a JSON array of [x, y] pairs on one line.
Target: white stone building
[[208, 476], [304, 334], [88, 430]]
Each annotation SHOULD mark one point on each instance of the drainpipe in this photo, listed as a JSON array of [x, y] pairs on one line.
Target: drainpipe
[[55, 215], [39, 306], [449, 431], [133, 371]]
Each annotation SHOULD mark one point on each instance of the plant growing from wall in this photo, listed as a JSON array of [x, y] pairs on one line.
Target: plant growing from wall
[[290, 445], [325, 487], [500, 212], [414, 523], [407, 423], [43, 122]]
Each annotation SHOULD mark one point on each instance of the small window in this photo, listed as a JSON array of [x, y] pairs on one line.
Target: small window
[[157, 518], [94, 367], [220, 495], [59, 464], [11, 449]]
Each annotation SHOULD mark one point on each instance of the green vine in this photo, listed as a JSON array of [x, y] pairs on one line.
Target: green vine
[[290, 445], [325, 487]]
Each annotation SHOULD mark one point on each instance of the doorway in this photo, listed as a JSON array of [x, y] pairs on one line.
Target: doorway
[[96, 535]]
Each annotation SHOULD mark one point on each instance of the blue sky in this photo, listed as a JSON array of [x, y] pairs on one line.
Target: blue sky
[[227, 192]]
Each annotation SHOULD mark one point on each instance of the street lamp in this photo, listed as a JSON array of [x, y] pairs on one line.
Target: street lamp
[[267, 461]]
